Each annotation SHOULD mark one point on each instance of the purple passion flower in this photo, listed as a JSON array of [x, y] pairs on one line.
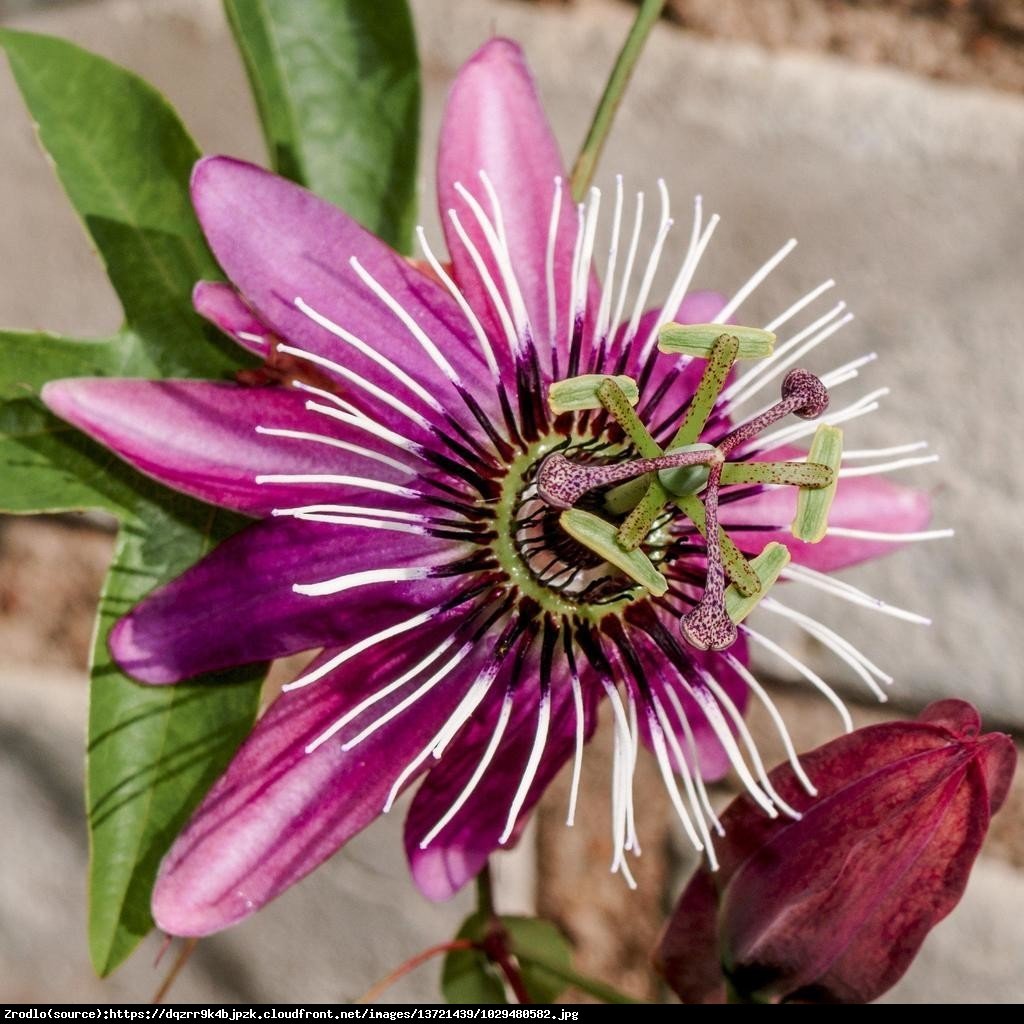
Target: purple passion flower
[[834, 907], [472, 611]]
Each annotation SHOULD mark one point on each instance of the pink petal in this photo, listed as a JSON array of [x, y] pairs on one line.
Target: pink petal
[[279, 243], [237, 605], [494, 122], [278, 812], [201, 438], [224, 308], [459, 852]]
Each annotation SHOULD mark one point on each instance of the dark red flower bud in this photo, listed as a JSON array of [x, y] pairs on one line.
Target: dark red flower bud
[[834, 907]]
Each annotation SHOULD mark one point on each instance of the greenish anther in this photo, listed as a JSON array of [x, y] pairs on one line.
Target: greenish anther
[[600, 537], [699, 340], [767, 566], [578, 393], [813, 503]]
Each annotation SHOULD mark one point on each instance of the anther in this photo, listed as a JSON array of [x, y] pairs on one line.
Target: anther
[[562, 483]]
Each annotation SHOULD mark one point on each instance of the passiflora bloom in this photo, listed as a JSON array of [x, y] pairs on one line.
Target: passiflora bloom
[[470, 620], [835, 906]]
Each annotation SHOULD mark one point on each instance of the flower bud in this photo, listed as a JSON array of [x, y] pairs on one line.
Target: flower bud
[[833, 907]]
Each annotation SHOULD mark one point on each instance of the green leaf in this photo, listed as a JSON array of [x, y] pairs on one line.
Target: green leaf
[[124, 159], [153, 751], [337, 87]]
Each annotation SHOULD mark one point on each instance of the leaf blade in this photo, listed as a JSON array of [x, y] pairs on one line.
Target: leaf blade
[[337, 87]]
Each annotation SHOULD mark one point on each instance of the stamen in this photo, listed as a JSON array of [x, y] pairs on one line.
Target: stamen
[[532, 764], [715, 718], [703, 841], [759, 275], [680, 286], [708, 626], [889, 467], [456, 293], [815, 680], [604, 309], [800, 304], [478, 774], [780, 724], [361, 382], [702, 792], [378, 695], [651, 269], [407, 702], [846, 591], [742, 388], [549, 261], [360, 346], [358, 648], [891, 538], [355, 449], [748, 742], [627, 271], [362, 579], [512, 336]]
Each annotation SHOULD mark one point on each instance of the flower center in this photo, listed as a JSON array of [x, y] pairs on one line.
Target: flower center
[[586, 516]]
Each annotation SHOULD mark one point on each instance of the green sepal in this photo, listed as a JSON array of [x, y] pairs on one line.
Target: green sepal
[[699, 340], [582, 392], [813, 503], [767, 565], [797, 474], [594, 533]]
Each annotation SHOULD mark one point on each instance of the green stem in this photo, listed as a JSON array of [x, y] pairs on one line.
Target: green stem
[[589, 985], [485, 892], [586, 163]]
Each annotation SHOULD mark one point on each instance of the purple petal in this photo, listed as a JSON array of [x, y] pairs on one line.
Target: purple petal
[[225, 308], [494, 122], [459, 852], [237, 605], [201, 438], [280, 243], [861, 503], [278, 812]]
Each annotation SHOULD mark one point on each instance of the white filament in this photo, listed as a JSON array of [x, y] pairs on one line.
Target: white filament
[[360, 579]]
